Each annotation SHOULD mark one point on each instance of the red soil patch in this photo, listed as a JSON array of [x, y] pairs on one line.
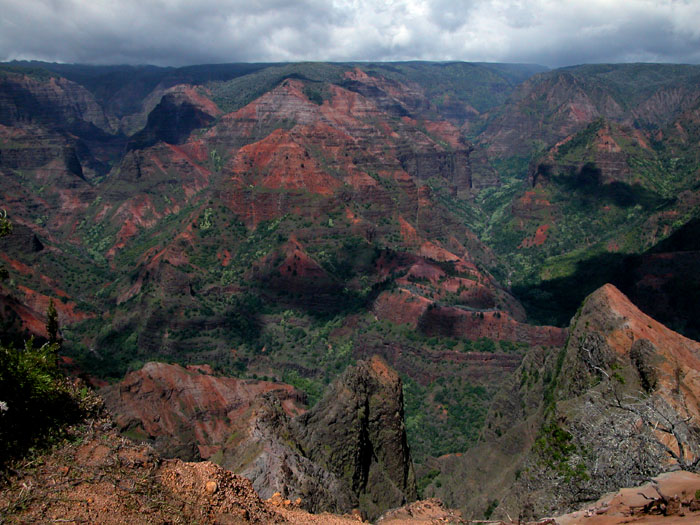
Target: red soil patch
[[437, 253], [194, 96], [497, 325], [379, 367], [401, 307], [538, 239], [134, 214], [196, 150], [605, 142], [613, 247], [610, 313], [224, 256], [422, 269], [580, 113], [39, 302], [296, 265], [532, 200], [408, 232], [410, 121], [445, 131], [17, 265], [627, 505], [282, 164]]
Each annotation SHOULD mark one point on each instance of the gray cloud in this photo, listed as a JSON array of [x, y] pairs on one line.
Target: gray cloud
[[179, 32]]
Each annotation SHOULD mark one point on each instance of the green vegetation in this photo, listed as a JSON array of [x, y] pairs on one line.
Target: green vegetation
[[312, 388], [5, 229], [317, 92], [35, 73], [585, 215], [425, 480], [556, 450], [630, 83], [581, 141], [35, 399], [491, 507], [443, 417], [449, 84], [236, 93]]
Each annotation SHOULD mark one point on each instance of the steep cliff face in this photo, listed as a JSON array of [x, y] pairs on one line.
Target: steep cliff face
[[611, 332], [350, 450], [266, 448], [243, 425], [55, 141], [347, 136]]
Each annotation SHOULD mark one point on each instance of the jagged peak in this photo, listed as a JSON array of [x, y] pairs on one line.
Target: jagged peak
[[610, 312]]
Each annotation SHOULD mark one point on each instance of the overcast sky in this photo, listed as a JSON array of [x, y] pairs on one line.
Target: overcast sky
[[180, 32]]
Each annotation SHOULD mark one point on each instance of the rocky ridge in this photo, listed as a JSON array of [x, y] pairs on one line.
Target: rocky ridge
[[99, 476], [617, 405], [103, 477], [348, 451]]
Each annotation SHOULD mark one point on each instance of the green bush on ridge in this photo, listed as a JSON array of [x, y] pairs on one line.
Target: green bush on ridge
[[35, 398]]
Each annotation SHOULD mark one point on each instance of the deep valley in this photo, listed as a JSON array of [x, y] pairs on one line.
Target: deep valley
[[362, 284]]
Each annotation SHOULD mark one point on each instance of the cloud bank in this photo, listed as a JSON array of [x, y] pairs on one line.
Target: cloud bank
[[181, 32]]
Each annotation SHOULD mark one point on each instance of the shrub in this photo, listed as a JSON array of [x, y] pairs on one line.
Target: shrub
[[36, 399]]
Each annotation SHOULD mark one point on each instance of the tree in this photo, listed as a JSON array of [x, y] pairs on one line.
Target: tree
[[5, 229], [671, 428], [631, 435], [5, 224], [52, 325]]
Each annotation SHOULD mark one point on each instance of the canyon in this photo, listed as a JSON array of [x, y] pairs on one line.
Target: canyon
[[447, 258]]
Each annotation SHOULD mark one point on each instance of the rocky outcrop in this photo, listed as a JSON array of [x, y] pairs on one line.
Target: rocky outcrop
[[624, 405], [474, 317], [611, 330], [99, 476], [349, 451], [264, 446], [357, 432], [616, 405]]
